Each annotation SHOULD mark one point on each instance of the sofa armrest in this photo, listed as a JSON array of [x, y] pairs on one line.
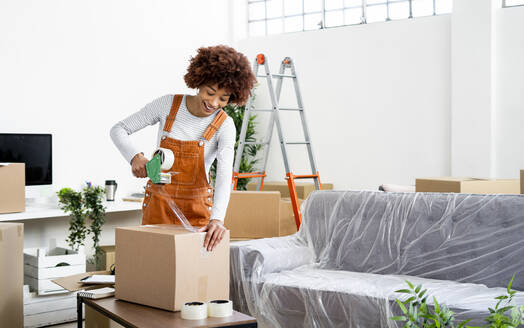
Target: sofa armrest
[[251, 260], [262, 256]]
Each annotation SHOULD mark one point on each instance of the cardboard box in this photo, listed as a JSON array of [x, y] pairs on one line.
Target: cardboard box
[[73, 284], [107, 257], [522, 181], [165, 266], [468, 185], [12, 187], [259, 214], [303, 188], [11, 275]]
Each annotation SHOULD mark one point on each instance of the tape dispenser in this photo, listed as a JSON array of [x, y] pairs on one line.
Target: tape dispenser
[[162, 161]]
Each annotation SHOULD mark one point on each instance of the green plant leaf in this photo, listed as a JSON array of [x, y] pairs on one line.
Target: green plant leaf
[[399, 318], [418, 289], [437, 306], [510, 282], [402, 307], [409, 284], [405, 291]]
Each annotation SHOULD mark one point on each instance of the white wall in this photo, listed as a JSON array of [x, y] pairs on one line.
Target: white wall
[[509, 86], [377, 99], [75, 68]]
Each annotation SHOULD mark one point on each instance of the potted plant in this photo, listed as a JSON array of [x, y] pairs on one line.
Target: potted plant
[[82, 205]]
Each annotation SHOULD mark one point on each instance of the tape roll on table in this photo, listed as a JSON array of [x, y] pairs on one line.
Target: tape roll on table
[[220, 308], [194, 311], [167, 158]]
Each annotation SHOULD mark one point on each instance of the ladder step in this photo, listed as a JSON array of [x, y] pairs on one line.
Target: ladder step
[[253, 143], [297, 143], [278, 75], [297, 109]]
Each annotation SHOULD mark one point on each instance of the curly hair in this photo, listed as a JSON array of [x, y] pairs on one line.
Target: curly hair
[[224, 66]]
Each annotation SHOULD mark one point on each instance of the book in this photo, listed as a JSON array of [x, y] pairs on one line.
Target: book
[[97, 293]]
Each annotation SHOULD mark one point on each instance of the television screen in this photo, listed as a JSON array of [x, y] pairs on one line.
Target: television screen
[[32, 149]]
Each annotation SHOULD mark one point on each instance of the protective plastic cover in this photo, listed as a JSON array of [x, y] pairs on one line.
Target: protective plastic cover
[[355, 248]]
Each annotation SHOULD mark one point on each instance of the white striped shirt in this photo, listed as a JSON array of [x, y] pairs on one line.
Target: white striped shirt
[[185, 127]]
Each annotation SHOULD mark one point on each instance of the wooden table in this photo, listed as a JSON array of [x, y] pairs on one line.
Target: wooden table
[[134, 315]]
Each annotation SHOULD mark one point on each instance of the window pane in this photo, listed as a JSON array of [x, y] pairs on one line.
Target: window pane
[[334, 18], [352, 16], [293, 24], [422, 8], [334, 4], [274, 8], [312, 6], [257, 28], [274, 26], [257, 10], [376, 13], [292, 7], [352, 3], [514, 2], [312, 21], [444, 6], [399, 10]]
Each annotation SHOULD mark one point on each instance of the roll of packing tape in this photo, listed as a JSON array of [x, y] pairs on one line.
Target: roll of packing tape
[[194, 311], [220, 308], [167, 158]]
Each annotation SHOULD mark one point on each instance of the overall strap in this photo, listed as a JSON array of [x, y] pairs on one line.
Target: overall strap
[[215, 125], [177, 100]]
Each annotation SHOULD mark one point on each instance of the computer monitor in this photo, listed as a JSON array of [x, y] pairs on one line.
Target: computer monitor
[[34, 150]]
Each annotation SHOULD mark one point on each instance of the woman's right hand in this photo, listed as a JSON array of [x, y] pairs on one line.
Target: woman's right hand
[[138, 165]]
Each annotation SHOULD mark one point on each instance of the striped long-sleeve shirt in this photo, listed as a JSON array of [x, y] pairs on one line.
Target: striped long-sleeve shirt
[[185, 127]]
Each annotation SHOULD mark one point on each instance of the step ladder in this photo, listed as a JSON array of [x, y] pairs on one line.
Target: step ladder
[[275, 109]]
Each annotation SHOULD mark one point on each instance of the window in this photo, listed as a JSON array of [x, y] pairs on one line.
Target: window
[[268, 17], [512, 3]]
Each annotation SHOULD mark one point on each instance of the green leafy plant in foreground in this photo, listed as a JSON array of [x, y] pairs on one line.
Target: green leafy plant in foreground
[[416, 313]]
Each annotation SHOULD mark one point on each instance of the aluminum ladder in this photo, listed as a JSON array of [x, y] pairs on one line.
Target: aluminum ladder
[[287, 63]]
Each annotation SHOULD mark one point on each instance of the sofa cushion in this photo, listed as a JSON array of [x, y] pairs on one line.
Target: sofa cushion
[[313, 297], [459, 237]]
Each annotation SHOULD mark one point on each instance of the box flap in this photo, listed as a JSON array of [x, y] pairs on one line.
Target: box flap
[[73, 284]]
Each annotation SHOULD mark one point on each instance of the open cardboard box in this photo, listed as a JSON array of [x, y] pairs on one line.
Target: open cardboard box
[[72, 283], [12, 187], [468, 185], [259, 214]]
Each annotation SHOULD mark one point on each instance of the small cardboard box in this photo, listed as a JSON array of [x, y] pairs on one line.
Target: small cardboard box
[[107, 257], [11, 275], [259, 214], [468, 185], [12, 187], [165, 266], [303, 188], [522, 181]]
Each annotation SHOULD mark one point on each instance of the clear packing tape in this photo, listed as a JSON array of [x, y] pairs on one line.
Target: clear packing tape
[[159, 192], [354, 249]]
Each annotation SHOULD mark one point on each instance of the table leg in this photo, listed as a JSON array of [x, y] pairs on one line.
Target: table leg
[[79, 314]]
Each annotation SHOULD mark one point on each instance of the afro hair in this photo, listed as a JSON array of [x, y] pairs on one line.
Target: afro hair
[[224, 66]]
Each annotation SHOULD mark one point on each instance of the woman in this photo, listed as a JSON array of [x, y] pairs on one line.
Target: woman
[[197, 130]]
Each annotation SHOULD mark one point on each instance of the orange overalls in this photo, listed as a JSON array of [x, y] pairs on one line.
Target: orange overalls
[[189, 189]]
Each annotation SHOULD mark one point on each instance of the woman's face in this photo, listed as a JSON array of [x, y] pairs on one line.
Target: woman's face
[[212, 99]]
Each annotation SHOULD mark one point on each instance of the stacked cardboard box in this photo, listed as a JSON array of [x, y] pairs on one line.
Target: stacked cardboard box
[[303, 188], [259, 214], [468, 185], [12, 187], [11, 273], [107, 257], [165, 266]]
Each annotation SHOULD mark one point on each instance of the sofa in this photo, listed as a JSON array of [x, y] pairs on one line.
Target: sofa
[[354, 249]]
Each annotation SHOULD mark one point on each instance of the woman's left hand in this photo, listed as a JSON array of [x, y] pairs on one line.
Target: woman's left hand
[[215, 232]]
